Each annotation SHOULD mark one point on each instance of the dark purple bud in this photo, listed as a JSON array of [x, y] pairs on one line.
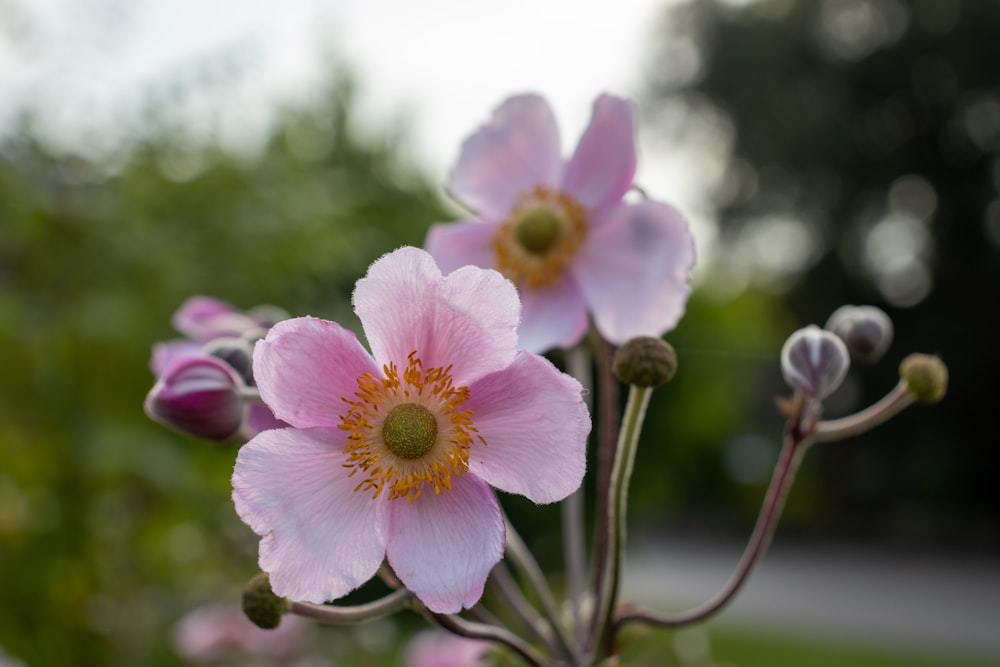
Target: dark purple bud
[[198, 396], [814, 361], [237, 352], [866, 330]]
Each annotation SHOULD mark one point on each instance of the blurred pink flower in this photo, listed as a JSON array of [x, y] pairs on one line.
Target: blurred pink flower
[[432, 648], [222, 632], [560, 228], [392, 454]]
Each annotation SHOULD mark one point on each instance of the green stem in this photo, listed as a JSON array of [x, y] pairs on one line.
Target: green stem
[[621, 474], [529, 567], [578, 361], [334, 615]]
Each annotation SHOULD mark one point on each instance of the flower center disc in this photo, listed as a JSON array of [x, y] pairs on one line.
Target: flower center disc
[[537, 230], [540, 237], [409, 431]]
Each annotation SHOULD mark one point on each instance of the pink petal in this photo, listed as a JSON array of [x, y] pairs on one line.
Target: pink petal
[[601, 170], [535, 424], [443, 546], [552, 316], [453, 245], [634, 271], [306, 366], [204, 318], [320, 538], [517, 149], [166, 353], [467, 320]]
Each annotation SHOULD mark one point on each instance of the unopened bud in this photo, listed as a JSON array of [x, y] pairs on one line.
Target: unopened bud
[[926, 377], [237, 352], [814, 361], [199, 396], [261, 605], [866, 330], [645, 362]]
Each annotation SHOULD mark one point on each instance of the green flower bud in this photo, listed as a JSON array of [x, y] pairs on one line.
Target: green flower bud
[[645, 362], [261, 605], [926, 377]]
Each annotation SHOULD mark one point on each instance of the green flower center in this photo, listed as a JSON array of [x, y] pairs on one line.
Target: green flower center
[[409, 431], [538, 230]]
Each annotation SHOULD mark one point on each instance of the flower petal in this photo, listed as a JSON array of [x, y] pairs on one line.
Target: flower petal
[[443, 546], [552, 316], [305, 366], [529, 451], [204, 318], [634, 271], [603, 165], [320, 539], [454, 245], [167, 352], [517, 149], [467, 320]]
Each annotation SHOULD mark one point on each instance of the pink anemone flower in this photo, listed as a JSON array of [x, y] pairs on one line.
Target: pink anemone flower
[[559, 229], [391, 455]]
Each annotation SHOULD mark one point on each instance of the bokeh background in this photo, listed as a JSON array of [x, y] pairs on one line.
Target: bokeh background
[[828, 152]]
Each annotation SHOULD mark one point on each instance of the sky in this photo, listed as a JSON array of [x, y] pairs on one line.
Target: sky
[[89, 67]]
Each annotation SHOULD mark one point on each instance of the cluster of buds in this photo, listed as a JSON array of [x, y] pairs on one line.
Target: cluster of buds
[[815, 361], [205, 380]]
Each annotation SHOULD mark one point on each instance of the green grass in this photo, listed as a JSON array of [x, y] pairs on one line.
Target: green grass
[[725, 647]]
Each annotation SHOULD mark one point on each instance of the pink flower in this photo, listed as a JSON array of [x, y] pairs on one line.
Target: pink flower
[[392, 454], [432, 648], [222, 632], [560, 229]]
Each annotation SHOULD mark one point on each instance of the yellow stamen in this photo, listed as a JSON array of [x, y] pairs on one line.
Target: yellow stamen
[[540, 237], [403, 470]]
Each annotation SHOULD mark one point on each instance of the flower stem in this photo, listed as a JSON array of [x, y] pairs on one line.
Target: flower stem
[[529, 567], [890, 405], [621, 473], [508, 589], [578, 362], [498, 635], [335, 615], [795, 444], [608, 420]]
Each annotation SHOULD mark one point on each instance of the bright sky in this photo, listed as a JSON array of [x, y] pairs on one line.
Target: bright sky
[[442, 65]]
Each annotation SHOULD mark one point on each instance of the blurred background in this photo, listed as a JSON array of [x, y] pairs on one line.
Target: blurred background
[[827, 152]]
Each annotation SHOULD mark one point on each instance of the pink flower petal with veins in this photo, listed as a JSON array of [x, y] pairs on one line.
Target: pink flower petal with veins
[[305, 366], [530, 415], [443, 546], [406, 305], [321, 539]]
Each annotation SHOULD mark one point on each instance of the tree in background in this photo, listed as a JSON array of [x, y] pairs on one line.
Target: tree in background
[[861, 148]]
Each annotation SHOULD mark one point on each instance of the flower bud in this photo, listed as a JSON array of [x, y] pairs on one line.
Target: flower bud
[[261, 605], [926, 377], [645, 362], [199, 396], [866, 330], [237, 352], [814, 361]]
